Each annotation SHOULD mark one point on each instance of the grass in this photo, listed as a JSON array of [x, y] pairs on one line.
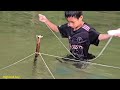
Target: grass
[[18, 30]]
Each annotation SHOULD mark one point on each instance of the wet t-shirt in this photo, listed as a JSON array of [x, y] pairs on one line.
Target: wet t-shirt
[[80, 39]]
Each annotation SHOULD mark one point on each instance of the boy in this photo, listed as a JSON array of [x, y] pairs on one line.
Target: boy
[[79, 33]]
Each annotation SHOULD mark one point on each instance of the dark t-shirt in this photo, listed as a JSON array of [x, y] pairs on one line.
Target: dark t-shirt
[[67, 31], [84, 36]]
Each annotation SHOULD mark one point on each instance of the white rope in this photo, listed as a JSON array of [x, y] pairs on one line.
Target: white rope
[[46, 66], [41, 55], [60, 40], [106, 65], [73, 55], [83, 61], [24, 59], [17, 62], [103, 49]]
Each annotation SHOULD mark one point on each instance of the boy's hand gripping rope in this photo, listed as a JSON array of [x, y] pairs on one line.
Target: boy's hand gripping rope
[[73, 55]]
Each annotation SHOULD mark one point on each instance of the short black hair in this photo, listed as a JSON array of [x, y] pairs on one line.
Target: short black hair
[[76, 14]]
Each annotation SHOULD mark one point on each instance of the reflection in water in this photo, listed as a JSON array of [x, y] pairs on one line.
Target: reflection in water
[[34, 69], [80, 64]]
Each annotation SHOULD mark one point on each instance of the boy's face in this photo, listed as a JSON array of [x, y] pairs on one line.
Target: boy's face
[[74, 22]]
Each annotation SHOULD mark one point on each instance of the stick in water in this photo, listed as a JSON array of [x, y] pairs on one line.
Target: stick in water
[[37, 46]]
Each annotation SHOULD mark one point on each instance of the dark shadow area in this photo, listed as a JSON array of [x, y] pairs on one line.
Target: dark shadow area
[[69, 59], [34, 69]]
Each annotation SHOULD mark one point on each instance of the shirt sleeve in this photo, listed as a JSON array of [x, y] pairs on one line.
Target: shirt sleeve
[[93, 34], [63, 31]]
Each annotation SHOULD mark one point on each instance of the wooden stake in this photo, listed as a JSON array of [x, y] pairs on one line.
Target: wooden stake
[[37, 46]]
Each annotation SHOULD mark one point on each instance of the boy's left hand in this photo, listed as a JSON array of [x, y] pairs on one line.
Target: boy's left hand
[[117, 35]]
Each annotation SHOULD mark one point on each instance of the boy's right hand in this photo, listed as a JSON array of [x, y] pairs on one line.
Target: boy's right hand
[[42, 18]]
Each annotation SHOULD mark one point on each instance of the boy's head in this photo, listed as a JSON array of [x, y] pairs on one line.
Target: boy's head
[[74, 18]]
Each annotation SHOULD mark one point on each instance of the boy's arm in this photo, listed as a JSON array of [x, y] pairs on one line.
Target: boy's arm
[[107, 36], [104, 37], [54, 27]]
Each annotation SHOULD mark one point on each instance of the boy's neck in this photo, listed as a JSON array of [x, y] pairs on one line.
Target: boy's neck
[[79, 26]]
